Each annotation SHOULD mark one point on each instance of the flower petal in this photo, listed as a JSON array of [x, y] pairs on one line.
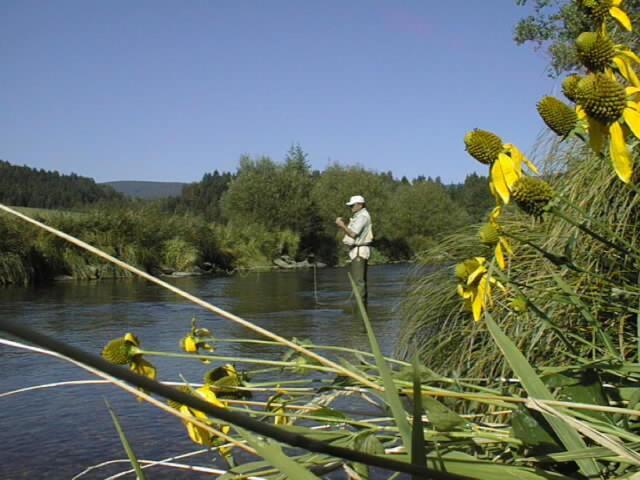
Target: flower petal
[[130, 337], [144, 368], [620, 156], [500, 257], [505, 171], [580, 112], [506, 245], [475, 274], [480, 300], [208, 394], [464, 292], [621, 17], [633, 105], [597, 133], [498, 184], [520, 158], [197, 434], [626, 70], [632, 119], [630, 54], [495, 214]]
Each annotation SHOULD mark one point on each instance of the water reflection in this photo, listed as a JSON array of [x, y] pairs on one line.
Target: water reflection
[[71, 426]]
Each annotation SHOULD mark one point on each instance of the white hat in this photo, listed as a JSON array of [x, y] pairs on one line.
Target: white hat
[[355, 199]]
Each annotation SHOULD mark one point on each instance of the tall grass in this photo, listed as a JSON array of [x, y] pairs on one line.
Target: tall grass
[[438, 327]]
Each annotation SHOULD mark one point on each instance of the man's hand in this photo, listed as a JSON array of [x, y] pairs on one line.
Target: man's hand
[[340, 222]]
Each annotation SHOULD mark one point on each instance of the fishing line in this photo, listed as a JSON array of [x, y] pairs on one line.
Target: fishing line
[[315, 292]]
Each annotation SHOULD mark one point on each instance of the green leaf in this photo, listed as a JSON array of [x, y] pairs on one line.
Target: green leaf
[[590, 452], [442, 418], [467, 466], [536, 389], [125, 443], [366, 442], [256, 468], [272, 453], [418, 453], [327, 412], [321, 435], [587, 388], [534, 431], [390, 391]]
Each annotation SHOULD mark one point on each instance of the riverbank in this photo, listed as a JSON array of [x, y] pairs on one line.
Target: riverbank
[[163, 245], [143, 237]]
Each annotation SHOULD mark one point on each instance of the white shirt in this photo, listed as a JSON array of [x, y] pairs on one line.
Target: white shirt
[[360, 224]]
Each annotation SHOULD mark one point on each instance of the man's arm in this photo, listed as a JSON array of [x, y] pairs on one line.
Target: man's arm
[[356, 227], [341, 225]]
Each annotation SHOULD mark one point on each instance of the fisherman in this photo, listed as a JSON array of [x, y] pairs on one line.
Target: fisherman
[[358, 237]]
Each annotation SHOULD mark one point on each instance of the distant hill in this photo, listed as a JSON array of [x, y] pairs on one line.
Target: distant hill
[[147, 190], [37, 188]]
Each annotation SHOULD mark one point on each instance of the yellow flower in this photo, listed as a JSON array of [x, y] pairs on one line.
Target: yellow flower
[[140, 366], [131, 338], [281, 418], [506, 171], [611, 111], [505, 161], [198, 434], [198, 339], [599, 54], [598, 9], [126, 351], [189, 344], [477, 288], [117, 351], [620, 15], [502, 245], [224, 381]]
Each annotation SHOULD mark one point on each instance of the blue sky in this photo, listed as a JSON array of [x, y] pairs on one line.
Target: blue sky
[[168, 90]]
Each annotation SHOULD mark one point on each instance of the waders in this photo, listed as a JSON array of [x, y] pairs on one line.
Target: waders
[[359, 268]]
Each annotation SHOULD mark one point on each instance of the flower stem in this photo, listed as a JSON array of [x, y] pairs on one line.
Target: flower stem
[[257, 361]]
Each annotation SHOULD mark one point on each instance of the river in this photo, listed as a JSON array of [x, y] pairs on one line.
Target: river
[[56, 433]]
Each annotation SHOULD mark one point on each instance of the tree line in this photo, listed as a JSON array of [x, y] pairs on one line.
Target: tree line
[[288, 195], [226, 221], [29, 187]]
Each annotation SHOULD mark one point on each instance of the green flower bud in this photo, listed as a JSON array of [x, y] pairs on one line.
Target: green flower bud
[[117, 351], [601, 97], [569, 85], [519, 304], [532, 195], [482, 145], [595, 51], [466, 268], [488, 234], [596, 9], [558, 116]]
